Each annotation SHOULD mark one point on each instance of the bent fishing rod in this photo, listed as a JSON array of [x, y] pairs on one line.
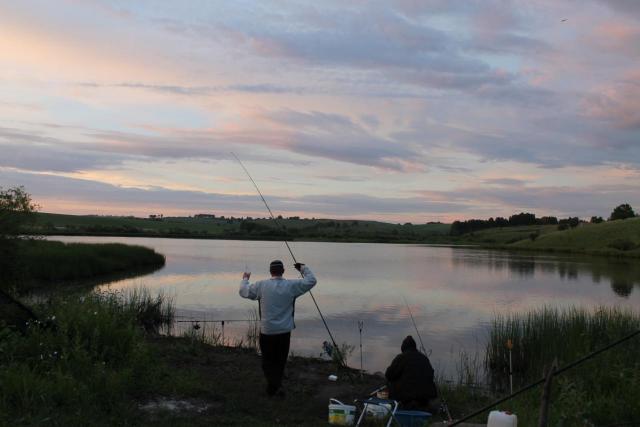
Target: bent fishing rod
[[335, 346], [422, 349]]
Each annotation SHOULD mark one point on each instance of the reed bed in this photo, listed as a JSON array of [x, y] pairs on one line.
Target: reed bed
[[601, 391], [541, 335], [47, 261]]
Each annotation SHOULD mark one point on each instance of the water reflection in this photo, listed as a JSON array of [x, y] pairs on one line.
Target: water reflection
[[453, 292], [622, 275]]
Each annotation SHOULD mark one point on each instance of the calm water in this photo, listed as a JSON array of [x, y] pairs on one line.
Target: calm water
[[453, 292]]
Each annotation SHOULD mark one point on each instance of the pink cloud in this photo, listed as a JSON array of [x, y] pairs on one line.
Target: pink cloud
[[617, 103]]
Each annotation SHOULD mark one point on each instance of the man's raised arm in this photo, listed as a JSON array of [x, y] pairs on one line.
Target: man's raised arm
[[247, 290], [307, 282]]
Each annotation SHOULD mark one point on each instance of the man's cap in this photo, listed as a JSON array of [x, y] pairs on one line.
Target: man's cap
[[276, 263]]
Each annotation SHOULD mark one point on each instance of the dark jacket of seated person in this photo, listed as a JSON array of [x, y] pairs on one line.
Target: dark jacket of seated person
[[410, 377]]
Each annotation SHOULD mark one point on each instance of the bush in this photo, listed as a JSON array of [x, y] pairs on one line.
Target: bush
[[623, 211], [622, 244]]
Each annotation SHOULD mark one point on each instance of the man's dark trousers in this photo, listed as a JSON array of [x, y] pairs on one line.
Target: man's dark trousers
[[275, 351]]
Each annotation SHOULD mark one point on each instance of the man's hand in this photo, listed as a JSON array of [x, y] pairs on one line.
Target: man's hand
[[298, 266], [246, 275]]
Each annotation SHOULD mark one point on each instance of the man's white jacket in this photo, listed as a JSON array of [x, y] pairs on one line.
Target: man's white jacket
[[277, 296]]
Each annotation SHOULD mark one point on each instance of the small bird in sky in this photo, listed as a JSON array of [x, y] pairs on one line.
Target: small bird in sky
[[564, 20]]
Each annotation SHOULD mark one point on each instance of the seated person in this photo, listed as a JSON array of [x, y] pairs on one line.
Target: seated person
[[410, 379]]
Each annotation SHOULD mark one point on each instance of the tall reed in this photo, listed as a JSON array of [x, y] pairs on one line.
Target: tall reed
[[602, 390], [541, 335]]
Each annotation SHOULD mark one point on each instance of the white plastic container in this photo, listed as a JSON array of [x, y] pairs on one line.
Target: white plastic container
[[502, 419], [378, 411], [341, 414]]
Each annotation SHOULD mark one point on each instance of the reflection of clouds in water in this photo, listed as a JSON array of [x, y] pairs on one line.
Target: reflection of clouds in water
[[453, 293]]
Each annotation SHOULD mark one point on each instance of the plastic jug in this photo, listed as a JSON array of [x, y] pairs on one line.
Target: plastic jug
[[341, 414], [502, 419]]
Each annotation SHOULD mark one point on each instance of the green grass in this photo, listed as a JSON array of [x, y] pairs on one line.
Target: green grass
[[93, 364], [603, 390], [86, 366], [621, 238], [48, 261], [257, 229], [505, 235]]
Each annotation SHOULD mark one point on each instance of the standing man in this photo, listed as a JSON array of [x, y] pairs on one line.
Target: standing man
[[276, 298]]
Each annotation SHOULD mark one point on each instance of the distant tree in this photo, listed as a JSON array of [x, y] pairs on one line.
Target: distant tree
[[623, 211], [565, 223], [596, 220], [501, 222], [16, 210], [248, 226], [548, 220], [522, 219]]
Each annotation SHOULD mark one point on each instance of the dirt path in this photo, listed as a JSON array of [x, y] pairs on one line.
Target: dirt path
[[224, 386]]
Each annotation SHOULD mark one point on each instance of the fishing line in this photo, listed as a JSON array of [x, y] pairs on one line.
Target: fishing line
[[422, 349], [335, 346]]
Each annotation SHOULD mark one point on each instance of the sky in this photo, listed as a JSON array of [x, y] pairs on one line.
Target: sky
[[398, 110]]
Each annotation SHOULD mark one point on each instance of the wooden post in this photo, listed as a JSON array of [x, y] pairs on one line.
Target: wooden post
[[546, 394]]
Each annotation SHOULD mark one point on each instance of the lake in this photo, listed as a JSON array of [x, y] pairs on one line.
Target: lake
[[452, 292]]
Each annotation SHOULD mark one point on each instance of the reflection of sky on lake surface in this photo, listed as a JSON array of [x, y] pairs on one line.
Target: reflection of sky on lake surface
[[453, 292]]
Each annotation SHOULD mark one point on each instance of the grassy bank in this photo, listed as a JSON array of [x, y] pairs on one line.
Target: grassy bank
[[95, 363], [602, 391], [45, 261], [504, 235], [613, 238], [238, 228]]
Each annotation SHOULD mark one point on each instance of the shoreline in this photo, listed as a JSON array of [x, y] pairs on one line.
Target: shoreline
[[601, 254]]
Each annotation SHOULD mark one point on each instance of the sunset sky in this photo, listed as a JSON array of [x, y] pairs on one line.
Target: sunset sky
[[399, 110]]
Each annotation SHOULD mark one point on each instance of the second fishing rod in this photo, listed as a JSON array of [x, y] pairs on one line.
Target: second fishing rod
[[336, 348]]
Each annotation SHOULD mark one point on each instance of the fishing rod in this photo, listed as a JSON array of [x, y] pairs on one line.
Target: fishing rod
[[335, 346], [422, 349]]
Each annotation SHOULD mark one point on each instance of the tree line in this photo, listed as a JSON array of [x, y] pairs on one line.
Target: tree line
[[622, 211]]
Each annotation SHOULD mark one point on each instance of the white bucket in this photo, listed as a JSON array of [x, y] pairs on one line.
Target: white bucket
[[502, 419], [341, 414], [377, 411]]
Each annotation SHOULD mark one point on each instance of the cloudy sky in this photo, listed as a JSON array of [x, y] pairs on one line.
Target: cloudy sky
[[399, 110]]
